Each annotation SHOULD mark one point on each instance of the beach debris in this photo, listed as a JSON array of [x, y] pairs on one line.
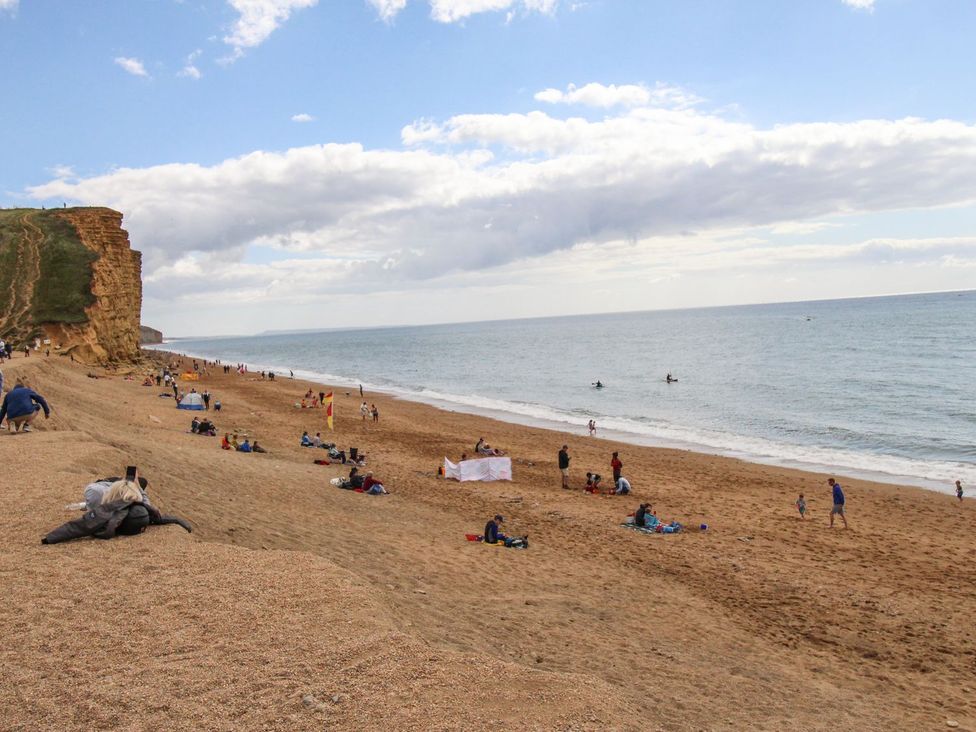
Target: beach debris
[[154, 418], [951, 723], [336, 698], [745, 538], [312, 702]]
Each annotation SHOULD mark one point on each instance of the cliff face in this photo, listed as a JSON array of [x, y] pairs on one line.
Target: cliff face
[[74, 280], [149, 335]]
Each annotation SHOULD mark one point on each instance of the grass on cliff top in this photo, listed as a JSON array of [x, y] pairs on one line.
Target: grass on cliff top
[[63, 289]]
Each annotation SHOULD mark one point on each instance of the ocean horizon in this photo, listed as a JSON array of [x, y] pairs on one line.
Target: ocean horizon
[[878, 388]]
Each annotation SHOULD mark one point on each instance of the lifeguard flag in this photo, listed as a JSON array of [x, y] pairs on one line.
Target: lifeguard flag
[[328, 410]]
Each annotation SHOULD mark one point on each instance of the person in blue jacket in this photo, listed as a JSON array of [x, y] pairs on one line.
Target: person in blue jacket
[[839, 501], [21, 406]]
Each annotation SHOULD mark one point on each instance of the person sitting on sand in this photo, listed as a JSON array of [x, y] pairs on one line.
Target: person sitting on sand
[[195, 425], [306, 441], [373, 487], [801, 506], [640, 517], [317, 440], [21, 405], [257, 448], [644, 518], [207, 428], [492, 535], [355, 480], [217, 405], [245, 446], [592, 483], [233, 442], [225, 442], [483, 448]]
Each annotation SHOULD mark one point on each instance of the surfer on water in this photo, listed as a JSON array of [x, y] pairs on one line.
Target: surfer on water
[[670, 378], [598, 384]]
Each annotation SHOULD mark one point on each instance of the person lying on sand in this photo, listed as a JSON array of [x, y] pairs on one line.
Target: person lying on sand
[[257, 448], [373, 487], [123, 510]]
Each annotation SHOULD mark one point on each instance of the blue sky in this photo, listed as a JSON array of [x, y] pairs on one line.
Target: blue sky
[[461, 159]]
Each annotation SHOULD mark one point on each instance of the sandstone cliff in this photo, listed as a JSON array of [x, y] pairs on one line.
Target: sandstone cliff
[[149, 335], [69, 275]]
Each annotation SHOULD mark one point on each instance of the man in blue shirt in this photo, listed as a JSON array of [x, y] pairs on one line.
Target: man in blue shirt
[[838, 509], [21, 405]]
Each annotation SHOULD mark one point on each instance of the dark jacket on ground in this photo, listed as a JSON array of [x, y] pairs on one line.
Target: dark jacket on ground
[[104, 522], [20, 401]]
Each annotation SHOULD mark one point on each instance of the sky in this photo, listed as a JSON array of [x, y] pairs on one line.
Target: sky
[[287, 164]]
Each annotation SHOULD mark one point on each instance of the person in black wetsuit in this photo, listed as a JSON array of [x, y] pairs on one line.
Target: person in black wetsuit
[[492, 536]]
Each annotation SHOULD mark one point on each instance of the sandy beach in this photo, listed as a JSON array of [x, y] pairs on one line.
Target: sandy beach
[[294, 605]]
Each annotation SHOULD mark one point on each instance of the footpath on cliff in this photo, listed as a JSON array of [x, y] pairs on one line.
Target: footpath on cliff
[[294, 605]]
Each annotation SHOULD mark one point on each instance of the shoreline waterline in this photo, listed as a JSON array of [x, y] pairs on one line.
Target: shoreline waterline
[[511, 415]]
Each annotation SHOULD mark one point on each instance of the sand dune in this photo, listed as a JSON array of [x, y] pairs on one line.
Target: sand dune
[[289, 587]]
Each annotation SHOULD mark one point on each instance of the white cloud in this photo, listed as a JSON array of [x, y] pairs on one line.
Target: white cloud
[[190, 70], [625, 95], [501, 189], [302, 118], [10, 5], [860, 4], [388, 9], [258, 19], [132, 65], [452, 11], [63, 171]]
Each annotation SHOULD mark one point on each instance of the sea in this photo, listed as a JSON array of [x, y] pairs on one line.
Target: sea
[[879, 388]]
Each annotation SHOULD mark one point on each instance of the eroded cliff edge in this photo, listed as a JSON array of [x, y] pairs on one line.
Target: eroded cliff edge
[[70, 276]]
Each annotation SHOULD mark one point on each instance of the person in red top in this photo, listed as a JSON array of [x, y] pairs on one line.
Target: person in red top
[[615, 466], [373, 486]]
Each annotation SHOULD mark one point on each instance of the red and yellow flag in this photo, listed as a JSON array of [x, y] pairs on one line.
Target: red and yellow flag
[[328, 410]]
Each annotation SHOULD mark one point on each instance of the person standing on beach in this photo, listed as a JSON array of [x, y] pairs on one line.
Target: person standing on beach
[[592, 427], [376, 413], [360, 391], [801, 506], [206, 399], [616, 466], [958, 483], [564, 465], [364, 410], [839, 501]]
